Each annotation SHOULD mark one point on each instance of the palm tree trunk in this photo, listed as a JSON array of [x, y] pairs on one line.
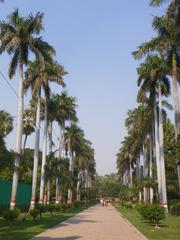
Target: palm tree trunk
[[130, 174], [71, 174], [78, 186], [176, 107], [158, 165], [24, 144], [151, 193], [19, 132], [50, 151], [41, 196], [58, 183], [36, 150], [138, 173], [163, 201], [145, 172]]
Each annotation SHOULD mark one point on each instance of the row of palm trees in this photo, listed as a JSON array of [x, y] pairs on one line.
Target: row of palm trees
[[145, 140], [21, 39]]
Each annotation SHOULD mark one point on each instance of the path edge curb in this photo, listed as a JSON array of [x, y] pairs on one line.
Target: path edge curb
[[130, 224]]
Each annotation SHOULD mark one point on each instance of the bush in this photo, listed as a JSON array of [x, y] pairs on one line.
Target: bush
[[41, 208], [11, 214], [58, 207], [51, 208], [77, 204], [143, 210], [152, 213], [175, 209], [67, 206], [34, 213], [125, 204], [157, 214]]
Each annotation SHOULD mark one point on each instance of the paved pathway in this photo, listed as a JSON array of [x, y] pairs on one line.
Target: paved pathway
[[95, 223]]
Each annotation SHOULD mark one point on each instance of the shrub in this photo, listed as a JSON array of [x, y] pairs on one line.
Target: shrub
[[58, 207], [68, 206], [157, 213], [11, 214], [129, 205], [77, 204], [34, 213], [51, 208], [125, 204], [152, 213], [175, 209], [63, 207], [41, 208], [143, 210]]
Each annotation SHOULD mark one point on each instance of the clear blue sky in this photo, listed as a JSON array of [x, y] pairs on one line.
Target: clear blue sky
[[94, 40]]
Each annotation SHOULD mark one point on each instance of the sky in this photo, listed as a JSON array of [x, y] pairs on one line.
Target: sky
[[93, 41]]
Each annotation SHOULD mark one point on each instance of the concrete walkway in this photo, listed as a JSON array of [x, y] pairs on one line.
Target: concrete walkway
[[95, 223]]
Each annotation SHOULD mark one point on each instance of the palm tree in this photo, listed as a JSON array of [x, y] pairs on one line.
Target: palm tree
[[173, 7], [19, 37], [73, 138], [167, 43], [84, 165], [6, 123], [39, 75], [152, 78], [51, 118], [65, 111]]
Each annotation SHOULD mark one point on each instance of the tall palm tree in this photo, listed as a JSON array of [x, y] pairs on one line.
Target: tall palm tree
[[65, 109], [19, 36], [39, 75], [83, 165], [167, 43], [6, 123], [153, 80], [73, 138], [51, 119]]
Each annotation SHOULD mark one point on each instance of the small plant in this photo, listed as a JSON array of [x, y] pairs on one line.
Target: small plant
[[63, 207], [77, 204], [51, 208], [175, 209], [152, 213], [41, 209], [143, 210], [34, 213], [58, 207], [125, 204], [157, 213], [11, 214]]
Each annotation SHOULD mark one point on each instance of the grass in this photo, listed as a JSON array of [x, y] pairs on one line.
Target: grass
[[169, 229], [23, 230]]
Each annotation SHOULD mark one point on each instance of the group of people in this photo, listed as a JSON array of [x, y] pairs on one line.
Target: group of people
[[103, 202]]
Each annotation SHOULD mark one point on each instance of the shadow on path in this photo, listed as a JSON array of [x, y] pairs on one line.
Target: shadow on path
[[76, 220], [59, 238]]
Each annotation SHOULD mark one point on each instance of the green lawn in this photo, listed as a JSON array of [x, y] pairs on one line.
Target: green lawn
[[169, 229], [23, 230]]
